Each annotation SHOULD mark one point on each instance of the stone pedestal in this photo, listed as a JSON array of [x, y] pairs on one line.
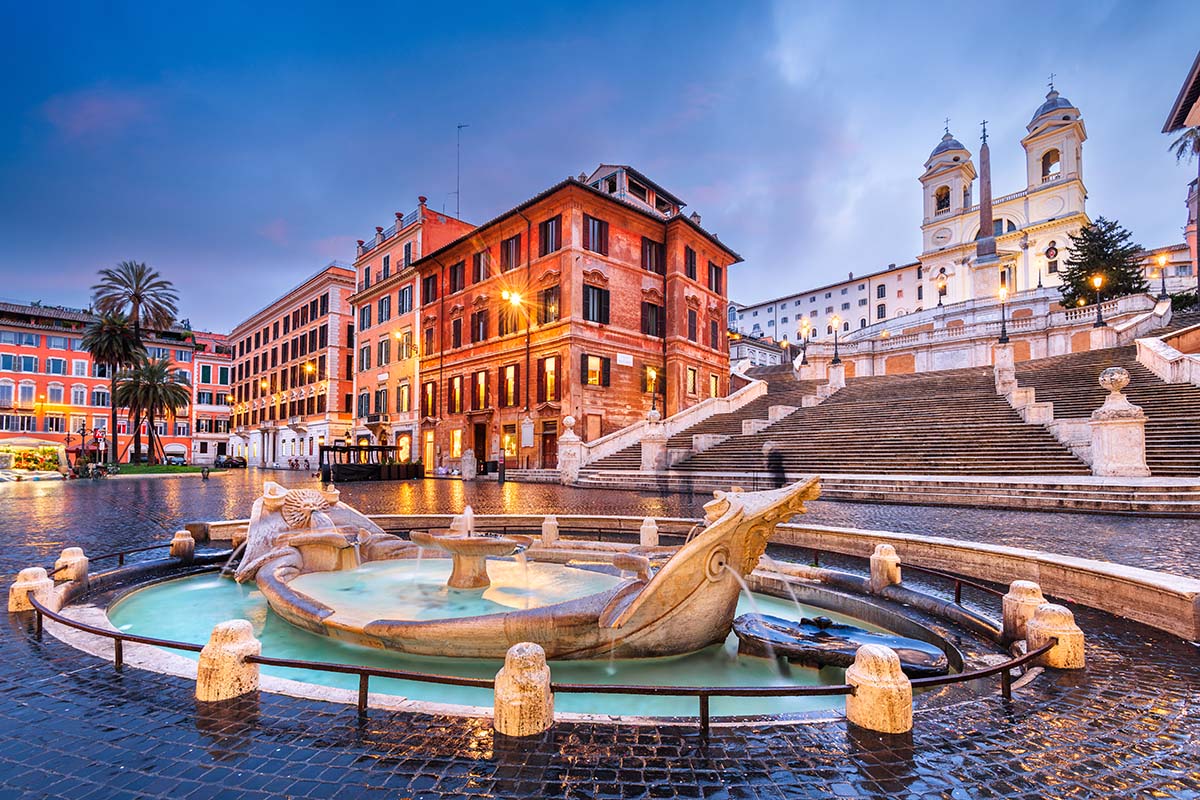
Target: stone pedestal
[[72, 565], [31, 581], [1004, 368], [648, 535], [469, 466], [654, 444], [223, 672], [183, 546], [570, 452], [1019, 605], [882, 699], [1102, 338], [885, 567], [549, 530], [837, 377], [1118, 431], [524, 704], [1052, 621]]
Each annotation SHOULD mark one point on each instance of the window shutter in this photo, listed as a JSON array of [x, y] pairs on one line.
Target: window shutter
[[604, 371], [517, 385], [583, 370], [604, 241], [662, 322], [604, 303], [558, 379], [587, 232], [645, 317], [541, 380]]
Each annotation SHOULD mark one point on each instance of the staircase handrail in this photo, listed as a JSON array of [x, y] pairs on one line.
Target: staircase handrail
[[632, 434], [1168, 363]]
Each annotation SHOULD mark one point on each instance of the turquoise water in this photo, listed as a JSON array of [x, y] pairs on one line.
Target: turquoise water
[[186, 609]]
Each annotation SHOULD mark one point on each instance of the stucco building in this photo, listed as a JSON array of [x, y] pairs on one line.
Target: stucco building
[[293, 371], [212, 378]]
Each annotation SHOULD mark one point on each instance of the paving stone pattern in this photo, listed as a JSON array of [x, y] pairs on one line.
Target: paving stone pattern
[[72, 727]]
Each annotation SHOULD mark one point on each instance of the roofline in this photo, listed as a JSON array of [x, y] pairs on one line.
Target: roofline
[[330, 266], [571, 181], [1189, 95], [829, 285], [658, 189]]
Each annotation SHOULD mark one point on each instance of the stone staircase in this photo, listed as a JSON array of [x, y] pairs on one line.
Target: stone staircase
[[783, 390], [1173, 410]]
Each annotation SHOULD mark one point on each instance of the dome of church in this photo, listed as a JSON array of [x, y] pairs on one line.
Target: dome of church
[[948, 142], [1054, 102]]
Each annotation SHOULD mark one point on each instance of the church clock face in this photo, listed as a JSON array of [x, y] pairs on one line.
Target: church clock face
[[941, 236]]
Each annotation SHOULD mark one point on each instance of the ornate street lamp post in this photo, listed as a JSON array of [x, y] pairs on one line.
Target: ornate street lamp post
[[837, 322], [1098, 281], [805, 331], [1003, 315], [1162, 273]]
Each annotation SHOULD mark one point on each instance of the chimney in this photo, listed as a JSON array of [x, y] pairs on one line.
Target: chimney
[[582, 177], [695, 218], [421, 199], [851, 276], [892, 265]]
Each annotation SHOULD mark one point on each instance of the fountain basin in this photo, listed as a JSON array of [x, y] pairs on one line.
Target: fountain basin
[[470, 554]]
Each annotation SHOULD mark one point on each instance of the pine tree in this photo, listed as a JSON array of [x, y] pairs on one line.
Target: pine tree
[[1103, 248]]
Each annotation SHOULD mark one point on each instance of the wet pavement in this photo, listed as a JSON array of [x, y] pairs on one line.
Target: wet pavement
[[70, 726]]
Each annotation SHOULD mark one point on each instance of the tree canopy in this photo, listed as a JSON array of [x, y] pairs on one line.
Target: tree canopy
[[1104, 249]]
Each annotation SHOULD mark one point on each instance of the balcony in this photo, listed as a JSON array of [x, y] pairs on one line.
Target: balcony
[[1051, 178], [374, 420], [297, 423]]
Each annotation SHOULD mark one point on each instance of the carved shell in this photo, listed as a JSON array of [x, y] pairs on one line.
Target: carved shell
[[298, 505], [1114, 379]]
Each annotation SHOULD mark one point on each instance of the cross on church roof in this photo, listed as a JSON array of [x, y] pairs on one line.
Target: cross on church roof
[[947, 125], [1051, 82], [984, 124]]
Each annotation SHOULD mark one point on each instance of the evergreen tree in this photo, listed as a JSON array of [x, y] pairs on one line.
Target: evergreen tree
[[1103, 248]]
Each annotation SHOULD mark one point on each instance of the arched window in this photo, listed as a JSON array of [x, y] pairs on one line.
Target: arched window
[[54, 393], [829, 330], [846, 325], [941, 199], [862, 322], [881, 311], [1051, 164]]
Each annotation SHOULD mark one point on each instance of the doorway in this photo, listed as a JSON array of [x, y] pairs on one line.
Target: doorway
[[479, 443], [549, 445]]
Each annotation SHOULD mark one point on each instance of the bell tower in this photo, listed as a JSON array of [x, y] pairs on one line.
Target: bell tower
[[1054, 142], [947, 179]]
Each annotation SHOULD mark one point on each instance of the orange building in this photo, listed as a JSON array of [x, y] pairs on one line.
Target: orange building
[[52, 391], [596, 298], [387, 323], [212, 377], [293, 372]]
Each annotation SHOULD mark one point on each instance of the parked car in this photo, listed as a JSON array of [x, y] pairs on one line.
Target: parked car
[[230, 462], [176, 461]]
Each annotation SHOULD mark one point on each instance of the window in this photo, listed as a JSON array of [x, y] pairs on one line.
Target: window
[[56, 366], [1051, 164], [364, 318], [1052, 256], [383, 352], [550, 235], [387, 266], [364, 404], [510, 390], [881, 311], [78, 395], [714, 385], [479, 390], [654, 256], [456, 443], [403, 398], [881, 291], [845, 307], [456, 332], [184, 356], [206, 373], [454, 399], [594, 370], [920, 292], [714, 335], [408, 253], [691, 330], [429, 399], [479, 326], [364, 357], [458, 276], [54, 393], [547, 385], [79, 368], [100, 397], [689, 262], [428, 343], [429, 289], [595, 235], [385, 308], [654, 320], [595, 304], [714, 278], [862, 322], [693, 379], [204, 398], [862, 301], [510, 253], [183, 429], [507, 320], [28, 364], [223, 376], [941, 199], [547, 300], [56, 342], [479, 267], [53, 423]]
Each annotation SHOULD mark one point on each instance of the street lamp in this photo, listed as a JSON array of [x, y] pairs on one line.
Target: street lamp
[[805, 329], [785, 345], [837, 321], [941, 287], [652, 374], [1098, 281], [1003, 315], [1162, 273]]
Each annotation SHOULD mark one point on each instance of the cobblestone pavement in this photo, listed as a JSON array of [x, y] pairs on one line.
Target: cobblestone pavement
[[70, 726]]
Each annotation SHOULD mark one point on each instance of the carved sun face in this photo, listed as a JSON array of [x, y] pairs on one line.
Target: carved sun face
[[299, 504]]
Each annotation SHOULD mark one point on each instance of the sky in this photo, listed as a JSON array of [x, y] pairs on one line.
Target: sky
[[237, 148]]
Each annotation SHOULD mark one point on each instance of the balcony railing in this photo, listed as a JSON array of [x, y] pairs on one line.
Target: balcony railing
[[380, 236], [374, 419]]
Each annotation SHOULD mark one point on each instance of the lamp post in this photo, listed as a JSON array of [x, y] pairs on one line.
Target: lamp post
[[837, 321], [1162, 273], [805, 329], [1098, 281], [652, 374], [1003, 315], [941, 287], [785, 345], [68, 444]]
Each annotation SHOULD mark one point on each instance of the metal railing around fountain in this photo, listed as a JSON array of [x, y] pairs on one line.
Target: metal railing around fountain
[[703, 694]]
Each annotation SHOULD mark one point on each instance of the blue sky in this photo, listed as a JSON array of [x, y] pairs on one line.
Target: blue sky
[[237, 151]]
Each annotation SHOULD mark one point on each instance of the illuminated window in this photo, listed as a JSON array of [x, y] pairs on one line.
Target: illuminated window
[[693, 378], [547, 379], [456, 443], [510, 391], [714, 386], [455, 399], [594, 370], [510, 441]]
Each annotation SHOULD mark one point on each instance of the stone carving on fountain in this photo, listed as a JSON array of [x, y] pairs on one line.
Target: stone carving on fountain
[[686, 604], [310, 530]]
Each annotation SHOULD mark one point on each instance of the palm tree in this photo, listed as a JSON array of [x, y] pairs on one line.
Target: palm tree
[[1185, 148], [139, 291], [110, 340], [150, 387]]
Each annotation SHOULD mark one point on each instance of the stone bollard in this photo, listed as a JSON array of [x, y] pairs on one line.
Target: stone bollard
[[1052, 621], [72, 565], [524, 704], [1004, 368], [1118, 431], [1019, 605], [183, 546], [885, 567], [882, 699], [223, 673], [550, 530], [31, 581], [648, 536]]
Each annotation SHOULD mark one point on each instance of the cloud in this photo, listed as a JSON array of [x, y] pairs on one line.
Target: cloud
[[275, 231], [94, 111]]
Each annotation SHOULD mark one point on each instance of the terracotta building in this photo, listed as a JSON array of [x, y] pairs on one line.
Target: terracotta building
[[211, 380], [596, 298], [293, 371], [50, 388], [385, 309]]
